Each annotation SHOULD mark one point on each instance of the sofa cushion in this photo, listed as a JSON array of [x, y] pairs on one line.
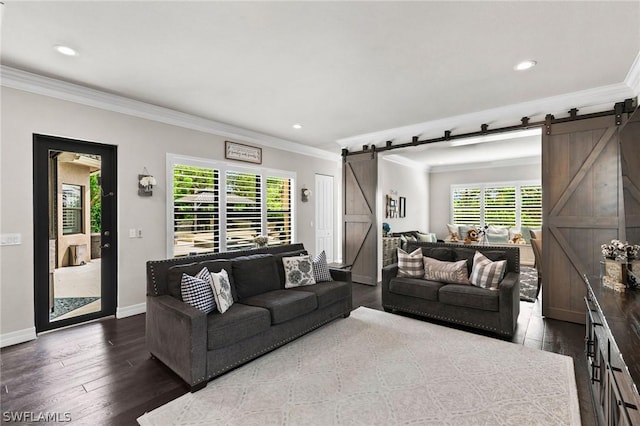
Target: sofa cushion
[[238, 323], [468, 253], [469, 296], [284, 305], [255, 274], [174, 277], [298, 271], [415, 287], [328, 292], [447, 272], [487, 273], [444, 254], [410, 264], [280, 266]]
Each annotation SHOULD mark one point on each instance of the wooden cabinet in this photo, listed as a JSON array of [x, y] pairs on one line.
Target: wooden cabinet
[[390, 250], [614, 391]]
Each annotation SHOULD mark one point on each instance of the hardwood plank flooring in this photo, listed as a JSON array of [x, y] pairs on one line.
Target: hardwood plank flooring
[[101, 372]]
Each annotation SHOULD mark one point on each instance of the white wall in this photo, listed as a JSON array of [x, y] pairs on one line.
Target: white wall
[[141, 143], [441, 181]]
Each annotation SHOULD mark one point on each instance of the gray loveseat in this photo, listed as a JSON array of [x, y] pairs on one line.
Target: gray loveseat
[[493, 310], [264, 315]]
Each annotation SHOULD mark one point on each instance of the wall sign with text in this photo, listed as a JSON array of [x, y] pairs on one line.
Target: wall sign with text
[[241, 152]]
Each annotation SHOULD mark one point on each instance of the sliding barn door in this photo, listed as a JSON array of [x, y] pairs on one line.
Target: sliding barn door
[[582, 209], [630, 159], [360, 177]]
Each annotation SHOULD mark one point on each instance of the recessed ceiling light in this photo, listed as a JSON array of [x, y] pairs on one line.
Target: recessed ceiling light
[[297, 126], [65, 50], [525, 65]]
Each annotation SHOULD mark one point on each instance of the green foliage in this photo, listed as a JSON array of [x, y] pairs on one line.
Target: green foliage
[[95, 203]]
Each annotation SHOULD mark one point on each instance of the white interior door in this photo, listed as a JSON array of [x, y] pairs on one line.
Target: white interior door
[[324, 215]]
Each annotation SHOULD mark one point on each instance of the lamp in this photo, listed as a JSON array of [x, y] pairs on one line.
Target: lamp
[[306, 193], [146, 183]]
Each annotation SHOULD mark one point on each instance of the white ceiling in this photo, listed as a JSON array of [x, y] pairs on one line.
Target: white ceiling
[[349, 72]]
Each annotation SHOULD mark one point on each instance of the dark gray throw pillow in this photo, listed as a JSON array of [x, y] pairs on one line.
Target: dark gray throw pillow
[[255, 274]]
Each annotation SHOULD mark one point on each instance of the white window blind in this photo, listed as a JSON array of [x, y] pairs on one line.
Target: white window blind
[[515, 204], [500, 205], [467, 205], [279, 210], [196, 215], [243, 209], [71, 209], [217, 206]]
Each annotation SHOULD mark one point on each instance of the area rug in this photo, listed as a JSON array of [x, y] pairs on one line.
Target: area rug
[[528, 283], [63, 305], [376, 368]]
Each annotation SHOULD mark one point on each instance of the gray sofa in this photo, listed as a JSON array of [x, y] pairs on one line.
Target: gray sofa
[[264, 315], [493, 310]]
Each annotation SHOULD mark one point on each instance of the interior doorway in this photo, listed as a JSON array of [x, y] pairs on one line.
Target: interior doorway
[[75, 231], [324, 215]]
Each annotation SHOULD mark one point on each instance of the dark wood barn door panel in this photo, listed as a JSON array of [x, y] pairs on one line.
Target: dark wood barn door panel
[[630, 158], [360, 177], [582, 209]]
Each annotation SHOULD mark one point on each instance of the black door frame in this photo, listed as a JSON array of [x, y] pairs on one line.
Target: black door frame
[[42, 144]]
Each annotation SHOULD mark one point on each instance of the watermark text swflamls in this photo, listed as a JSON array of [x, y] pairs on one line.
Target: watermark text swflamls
[[34, 417]]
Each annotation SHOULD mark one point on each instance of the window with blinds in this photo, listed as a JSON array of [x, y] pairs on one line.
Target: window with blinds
[[71, 209], [279, 210], [466, 205], [243, 209], [196, 218], [221, 207], [509, 205]]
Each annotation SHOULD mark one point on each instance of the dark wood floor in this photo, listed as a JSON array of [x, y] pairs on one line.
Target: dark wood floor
[[101, 373]]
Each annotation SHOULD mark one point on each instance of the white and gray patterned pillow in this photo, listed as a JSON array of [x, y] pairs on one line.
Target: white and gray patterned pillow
[[222, 290], [487, 273], [321, 269], [410, 264], [197, 291], [298, 271], [446, 272]]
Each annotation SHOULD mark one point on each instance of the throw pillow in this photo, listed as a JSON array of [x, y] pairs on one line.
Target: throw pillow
[[446, 272], [410, 264], [298, 271], [320, 268], [487, 273], [453, 232], [497, 234], [222, 290], [426, 238], [197, 292]]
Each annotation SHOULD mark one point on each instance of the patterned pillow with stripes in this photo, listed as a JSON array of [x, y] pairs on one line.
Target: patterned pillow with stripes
[[410, 264], [487, 273], [197, 291], [320, 268]]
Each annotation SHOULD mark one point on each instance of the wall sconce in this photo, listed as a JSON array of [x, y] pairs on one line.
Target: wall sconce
[[306, 193], [146, 183]]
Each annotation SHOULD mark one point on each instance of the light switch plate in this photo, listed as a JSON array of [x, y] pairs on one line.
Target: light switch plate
[[10, 239]]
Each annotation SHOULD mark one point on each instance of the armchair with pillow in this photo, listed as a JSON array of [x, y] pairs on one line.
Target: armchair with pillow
[[476, 286]]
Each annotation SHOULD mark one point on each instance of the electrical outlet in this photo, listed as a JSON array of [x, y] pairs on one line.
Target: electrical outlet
[[132, 233], [10, 239], [139, 232]]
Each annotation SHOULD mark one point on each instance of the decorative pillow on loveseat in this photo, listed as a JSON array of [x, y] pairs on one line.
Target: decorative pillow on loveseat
[[446, 272], [487, 273], [221, 290], [298, 271], [410, 264], [197, 291], [321, 268]]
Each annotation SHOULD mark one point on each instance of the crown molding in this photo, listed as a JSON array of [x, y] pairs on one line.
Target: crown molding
[[591, 100], [633, 76], [34, 83], [512, 162], [403, 161]]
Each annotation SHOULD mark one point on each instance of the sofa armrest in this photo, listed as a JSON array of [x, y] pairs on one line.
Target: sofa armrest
[[389, 272], [340, 274], [510, 299], [176, 333]]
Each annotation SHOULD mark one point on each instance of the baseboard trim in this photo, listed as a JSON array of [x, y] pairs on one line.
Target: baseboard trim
[[15, 337], [131, 310]]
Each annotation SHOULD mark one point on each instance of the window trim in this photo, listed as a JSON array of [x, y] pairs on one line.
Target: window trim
[[483, 186], [223, 167], [79, 210]]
